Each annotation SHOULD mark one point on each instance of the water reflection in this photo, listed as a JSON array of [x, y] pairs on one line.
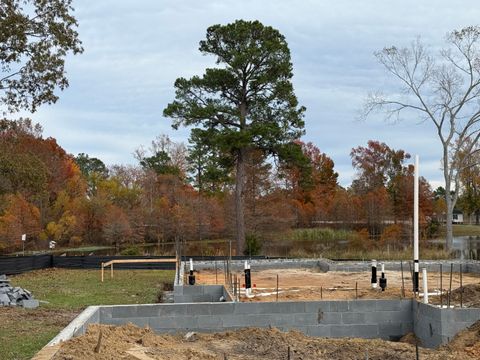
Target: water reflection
[[465, 247]]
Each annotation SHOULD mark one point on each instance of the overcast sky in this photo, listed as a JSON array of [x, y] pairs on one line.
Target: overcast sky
[[134, 51]]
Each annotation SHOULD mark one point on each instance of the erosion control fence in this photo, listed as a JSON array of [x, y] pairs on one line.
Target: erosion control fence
[[19, 264]]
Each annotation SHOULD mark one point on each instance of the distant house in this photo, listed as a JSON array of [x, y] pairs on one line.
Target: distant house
[[457, 216]]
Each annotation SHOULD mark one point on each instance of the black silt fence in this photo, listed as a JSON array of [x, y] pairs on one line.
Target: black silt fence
[[20, 264], [94, 262]]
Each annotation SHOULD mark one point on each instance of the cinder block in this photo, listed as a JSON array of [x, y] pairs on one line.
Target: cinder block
[[127, 311], [141, 322], [390, 330], [246, 308], [209, 322], [315, 306], [222, 308], [341, 305], [164, 322], [152, 310], [30, 304], [193, 289], [353, 318], [281, 307], [319, 331], [363, 331], [330, 318], [173, 309], [362, 305], [105, 313], [301, 319], [387, 305], [200, 309]]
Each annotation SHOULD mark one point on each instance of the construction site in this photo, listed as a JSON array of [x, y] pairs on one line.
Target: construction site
[[288, 309]]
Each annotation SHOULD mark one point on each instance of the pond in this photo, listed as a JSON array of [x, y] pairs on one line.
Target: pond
[[465, 247]]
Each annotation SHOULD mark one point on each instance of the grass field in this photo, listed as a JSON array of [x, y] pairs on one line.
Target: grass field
[[24, 332]]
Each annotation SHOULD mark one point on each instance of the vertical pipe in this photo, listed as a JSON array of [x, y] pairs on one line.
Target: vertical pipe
[[374, 274], [321, 292], [415, 226], [450, 288], [461, 287], [425, 286], [403, 282], [216, 272], [441, 285]]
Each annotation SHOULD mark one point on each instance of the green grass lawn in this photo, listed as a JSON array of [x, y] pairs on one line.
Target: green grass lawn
[[24, 332]]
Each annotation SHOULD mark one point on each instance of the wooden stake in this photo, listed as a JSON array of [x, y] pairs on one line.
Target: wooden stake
[[356, 289], [99, 342], [277, 287], [288, 353], [102, 271], [321, 292]]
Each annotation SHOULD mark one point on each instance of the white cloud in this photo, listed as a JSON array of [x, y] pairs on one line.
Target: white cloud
[[134, 51]]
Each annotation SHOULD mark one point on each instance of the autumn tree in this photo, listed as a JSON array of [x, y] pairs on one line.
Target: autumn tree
[[35, 38], [444, 89], [246, 103]]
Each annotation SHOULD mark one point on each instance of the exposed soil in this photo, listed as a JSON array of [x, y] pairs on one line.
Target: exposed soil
[[131, 342], [469, 296], [309, 284]]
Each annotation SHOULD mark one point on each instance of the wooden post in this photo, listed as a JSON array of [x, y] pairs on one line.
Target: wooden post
[[102, 271], [111, 270], [277, 287], [356, 290]]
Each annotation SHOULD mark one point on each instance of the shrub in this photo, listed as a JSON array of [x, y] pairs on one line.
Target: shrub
[[131, 251], [253, 245]]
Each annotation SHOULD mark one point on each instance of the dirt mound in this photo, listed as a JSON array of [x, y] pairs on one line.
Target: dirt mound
[[471, 295], [467, 340], [133, 343]]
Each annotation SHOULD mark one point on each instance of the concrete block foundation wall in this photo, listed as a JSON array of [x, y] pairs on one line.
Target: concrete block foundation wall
[[435, 326], [199, 293], [387, 319]]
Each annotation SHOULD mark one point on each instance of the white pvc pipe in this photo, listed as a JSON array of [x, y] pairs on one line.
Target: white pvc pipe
[[425, 286], [374, 274], [383, 268], [191, 264], [415, 218]]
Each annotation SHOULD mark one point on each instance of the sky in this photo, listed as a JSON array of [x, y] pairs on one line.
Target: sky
[[134, 51]]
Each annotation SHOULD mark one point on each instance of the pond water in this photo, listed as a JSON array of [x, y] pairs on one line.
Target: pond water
[[465, 247]]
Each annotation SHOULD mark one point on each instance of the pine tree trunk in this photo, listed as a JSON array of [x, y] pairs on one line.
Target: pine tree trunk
[[239, 201]]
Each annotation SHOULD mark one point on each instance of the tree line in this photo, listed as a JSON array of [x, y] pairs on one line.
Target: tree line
[[175, 193]]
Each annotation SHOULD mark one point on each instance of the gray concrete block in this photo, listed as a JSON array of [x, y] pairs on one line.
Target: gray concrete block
[[174, 309], [246, 308], [362, 305], [287, 307], [353, 318], [302, 319], [203, 298], [127, 311], [29, 304], [330, 318], [387, 305], [315, 306], [342, 305], [209, 322], [389, 330], [319, 331], [222, 308], [200, 309], [193, 289]]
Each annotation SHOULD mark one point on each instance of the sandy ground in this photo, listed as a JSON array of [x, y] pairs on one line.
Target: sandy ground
[[305, 284], [133, 343]]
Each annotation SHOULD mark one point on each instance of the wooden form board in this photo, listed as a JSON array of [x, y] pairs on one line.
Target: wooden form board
[[130, 261]]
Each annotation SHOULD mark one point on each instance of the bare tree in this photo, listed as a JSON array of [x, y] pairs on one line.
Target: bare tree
[[443, 88]]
